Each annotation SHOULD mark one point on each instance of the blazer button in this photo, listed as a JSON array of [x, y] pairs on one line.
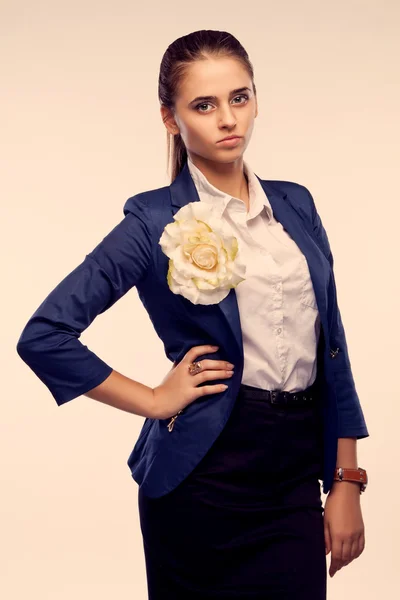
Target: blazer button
[[333, 352]]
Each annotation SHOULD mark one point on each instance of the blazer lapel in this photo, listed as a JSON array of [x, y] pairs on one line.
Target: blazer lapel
[[183, 191]]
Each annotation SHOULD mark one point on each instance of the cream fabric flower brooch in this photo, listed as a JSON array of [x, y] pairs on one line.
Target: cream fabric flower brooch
[[204, 257]]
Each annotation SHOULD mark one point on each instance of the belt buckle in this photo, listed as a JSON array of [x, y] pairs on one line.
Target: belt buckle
[[273, 396]]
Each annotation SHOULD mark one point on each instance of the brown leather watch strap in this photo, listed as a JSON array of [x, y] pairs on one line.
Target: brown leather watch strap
[[358, 475]]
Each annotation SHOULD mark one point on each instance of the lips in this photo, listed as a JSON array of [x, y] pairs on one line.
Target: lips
[[231, 137]]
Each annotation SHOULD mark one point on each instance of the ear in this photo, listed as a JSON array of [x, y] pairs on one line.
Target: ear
[[169, 120], [256, 107]]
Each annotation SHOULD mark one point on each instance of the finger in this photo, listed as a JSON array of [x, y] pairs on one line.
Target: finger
[[336, 561], [361, 543], [327, 537], [196, 351], [346, 550], [358, 546], [210, 389], [208, 363], [354, 551], [207, 375]]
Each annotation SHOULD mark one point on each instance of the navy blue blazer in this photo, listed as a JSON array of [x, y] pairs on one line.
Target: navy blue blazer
[[129, 255]]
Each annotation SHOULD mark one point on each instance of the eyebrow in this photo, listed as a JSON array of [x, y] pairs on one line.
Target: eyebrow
[[214, 98]]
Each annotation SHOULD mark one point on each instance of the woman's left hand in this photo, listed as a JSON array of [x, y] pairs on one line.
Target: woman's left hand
[[343, 525]]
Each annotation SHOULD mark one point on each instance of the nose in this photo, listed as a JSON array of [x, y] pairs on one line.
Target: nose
[[226, 117]]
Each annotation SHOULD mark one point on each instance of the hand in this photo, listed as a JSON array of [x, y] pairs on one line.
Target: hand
[[179, 387], [343, 525]]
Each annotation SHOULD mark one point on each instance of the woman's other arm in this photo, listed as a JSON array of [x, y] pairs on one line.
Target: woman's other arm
[[351, 416]]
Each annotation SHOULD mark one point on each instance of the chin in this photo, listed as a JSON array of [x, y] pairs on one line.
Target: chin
[[229, 156]]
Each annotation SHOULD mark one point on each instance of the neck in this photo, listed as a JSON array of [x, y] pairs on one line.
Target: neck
[[227, 177]]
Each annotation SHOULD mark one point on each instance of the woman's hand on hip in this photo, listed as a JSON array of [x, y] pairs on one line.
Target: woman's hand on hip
[[179, 387]]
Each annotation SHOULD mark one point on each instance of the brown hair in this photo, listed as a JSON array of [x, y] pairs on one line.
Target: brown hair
[[198, 45]]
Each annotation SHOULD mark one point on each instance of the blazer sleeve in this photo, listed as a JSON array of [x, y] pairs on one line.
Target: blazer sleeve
[[351, 420], [49, 343]]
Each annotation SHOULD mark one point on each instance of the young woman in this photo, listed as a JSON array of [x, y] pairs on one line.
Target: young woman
[[236, 274]]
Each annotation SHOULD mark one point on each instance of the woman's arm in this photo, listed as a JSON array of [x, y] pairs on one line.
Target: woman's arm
[[126, 394], [49, 343], [347, 453], [351, 420]]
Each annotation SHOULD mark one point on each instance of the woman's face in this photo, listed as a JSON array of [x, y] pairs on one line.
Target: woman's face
[[203, 122]]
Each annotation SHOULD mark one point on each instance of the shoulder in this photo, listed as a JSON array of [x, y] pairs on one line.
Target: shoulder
[[292, 188], [146, 200], [298, 195]]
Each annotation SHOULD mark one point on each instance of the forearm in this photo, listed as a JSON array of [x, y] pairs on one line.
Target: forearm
[[124, 393], [347, 453]]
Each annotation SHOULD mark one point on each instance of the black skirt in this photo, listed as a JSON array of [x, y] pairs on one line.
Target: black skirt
[[248, 520]]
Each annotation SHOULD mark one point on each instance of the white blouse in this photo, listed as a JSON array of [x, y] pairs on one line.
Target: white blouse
[[277, 306]]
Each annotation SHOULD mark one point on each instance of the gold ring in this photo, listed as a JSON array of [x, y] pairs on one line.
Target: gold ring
[[194, 367]]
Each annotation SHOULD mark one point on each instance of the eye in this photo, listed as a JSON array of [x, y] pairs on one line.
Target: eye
[[242, 96], [245, 96]]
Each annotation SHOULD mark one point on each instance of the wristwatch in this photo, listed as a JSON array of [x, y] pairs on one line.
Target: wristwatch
[[347, 474]]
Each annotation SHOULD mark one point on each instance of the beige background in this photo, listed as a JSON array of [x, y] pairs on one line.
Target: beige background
[[81, 132]]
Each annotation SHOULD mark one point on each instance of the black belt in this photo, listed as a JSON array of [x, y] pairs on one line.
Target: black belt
[[308, 395]]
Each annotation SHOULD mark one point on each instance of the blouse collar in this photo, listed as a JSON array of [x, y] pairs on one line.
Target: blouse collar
[[220, 200]]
